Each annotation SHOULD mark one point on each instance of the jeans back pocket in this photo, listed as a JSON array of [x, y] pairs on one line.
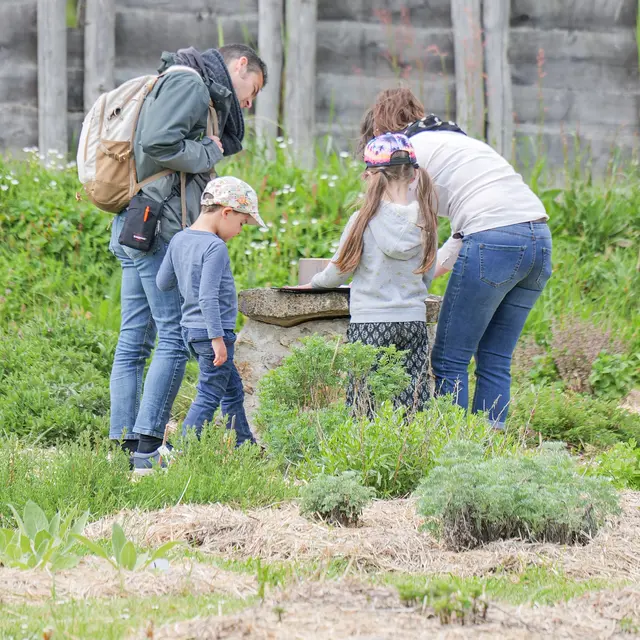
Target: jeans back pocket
[[499, 263], [545, 269]]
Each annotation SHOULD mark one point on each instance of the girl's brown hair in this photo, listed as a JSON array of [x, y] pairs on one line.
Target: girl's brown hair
[[393, 111], [377, 185]]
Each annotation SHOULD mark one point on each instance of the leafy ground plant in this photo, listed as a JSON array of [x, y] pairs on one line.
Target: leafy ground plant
[[123, 553], [39, 542], [336, 499], [450, 602], [537, 496], [620, 464]]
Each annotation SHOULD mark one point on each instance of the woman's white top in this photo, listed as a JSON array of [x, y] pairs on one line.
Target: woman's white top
[[477, 188]]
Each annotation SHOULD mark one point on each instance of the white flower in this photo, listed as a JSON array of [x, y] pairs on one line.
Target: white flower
[[287, 186], [273, 244], [262, 230], [314, 220], [53, 183], [53, 152], [279, 139], [283, 221], [344, 154], [247, 252], [60, 156], [283, 145], [332, 184], [324, 176], [281, 229], [278, 193], [293, 263], [296, 223], [292, 189], [71, 165], [36, 179], [290, 141], [334, 177], [14, 182], [4, 187]]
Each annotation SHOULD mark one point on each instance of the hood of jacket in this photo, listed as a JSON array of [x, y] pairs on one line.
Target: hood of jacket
[[395, 230]]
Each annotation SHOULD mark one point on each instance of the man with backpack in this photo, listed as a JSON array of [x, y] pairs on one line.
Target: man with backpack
[[174, 153]]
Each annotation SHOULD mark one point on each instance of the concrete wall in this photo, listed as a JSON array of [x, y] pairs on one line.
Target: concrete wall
[[588, 82]]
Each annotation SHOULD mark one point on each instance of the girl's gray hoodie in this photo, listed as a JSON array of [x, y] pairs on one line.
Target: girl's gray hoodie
[[385, 287]]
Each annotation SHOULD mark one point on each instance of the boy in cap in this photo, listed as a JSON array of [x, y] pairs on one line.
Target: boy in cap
[[197, 262]]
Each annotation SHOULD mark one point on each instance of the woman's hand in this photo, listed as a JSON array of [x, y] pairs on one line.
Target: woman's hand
[[300, 286], [440, 271]]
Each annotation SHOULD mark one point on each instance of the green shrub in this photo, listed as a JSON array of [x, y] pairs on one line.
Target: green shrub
[[620, 463], [54, 379], [392, 453], [302, 400], [537, 496], [574, 418], [613, 375], [336, 499]]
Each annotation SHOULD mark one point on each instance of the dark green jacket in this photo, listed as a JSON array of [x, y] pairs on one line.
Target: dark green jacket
[[171, 134]]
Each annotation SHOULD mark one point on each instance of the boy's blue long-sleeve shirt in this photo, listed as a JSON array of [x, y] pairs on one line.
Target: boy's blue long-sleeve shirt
[[198, 263]]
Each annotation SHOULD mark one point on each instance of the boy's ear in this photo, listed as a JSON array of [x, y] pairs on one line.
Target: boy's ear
[[225, 211]]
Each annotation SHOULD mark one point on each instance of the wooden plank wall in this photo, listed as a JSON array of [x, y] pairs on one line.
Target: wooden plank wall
[[573, 63]]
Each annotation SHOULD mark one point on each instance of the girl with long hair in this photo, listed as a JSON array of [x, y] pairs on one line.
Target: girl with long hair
[[388, 247], [499, 252]]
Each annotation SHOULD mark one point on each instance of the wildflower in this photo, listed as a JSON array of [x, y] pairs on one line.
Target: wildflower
[[71, 165], [332, 184], [14, 182], [53, 183], [53, 152], [281, 229], [344, 154], [273, 244], [283, 221], [247, 252], [314, 220], [124, 616], [290, 141], [282, 145], [287, 187], [4, 187], [60, 156], [296, 223], [293, 263], [334, 177], [324, 176], [279, 139], [36, 179]]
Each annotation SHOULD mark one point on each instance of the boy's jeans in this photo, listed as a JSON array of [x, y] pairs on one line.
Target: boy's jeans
[[146, 312], [495, 282], [217, 387]]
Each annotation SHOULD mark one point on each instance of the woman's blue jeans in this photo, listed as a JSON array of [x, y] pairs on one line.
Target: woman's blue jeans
[[139, 404], [495, 282]]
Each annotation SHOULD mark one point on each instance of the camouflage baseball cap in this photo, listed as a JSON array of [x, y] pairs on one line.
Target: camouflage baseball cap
[[228, 191]]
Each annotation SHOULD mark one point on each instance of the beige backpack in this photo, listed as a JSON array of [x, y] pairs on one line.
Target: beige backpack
[[106, 162]]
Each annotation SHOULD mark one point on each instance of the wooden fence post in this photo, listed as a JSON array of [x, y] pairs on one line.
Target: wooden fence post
[[300, 78], [99, 49], [270, 34], [52, 75], [495, 20], [469, 65]]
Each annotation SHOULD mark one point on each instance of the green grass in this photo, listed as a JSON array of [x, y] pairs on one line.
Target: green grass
[[533, 586], [109, 618]]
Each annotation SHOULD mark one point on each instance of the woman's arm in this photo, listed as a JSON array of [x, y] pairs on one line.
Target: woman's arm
[[447, 256]]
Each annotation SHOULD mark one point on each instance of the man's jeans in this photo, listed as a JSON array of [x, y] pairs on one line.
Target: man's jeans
[[495, 282], [146, 312], [217, 387]]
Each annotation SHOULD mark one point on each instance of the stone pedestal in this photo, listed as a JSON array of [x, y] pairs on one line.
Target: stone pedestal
[[277, 320]]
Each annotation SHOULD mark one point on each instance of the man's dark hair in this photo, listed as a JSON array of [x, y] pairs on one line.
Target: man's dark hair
[[255, 63]]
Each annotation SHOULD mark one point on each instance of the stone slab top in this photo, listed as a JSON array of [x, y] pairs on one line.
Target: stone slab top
[[287, 309]]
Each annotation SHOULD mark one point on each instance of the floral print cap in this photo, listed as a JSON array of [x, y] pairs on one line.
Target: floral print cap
[[228, 191], [379, 152]]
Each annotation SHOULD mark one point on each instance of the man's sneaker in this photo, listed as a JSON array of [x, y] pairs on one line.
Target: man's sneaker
[[145, 463]]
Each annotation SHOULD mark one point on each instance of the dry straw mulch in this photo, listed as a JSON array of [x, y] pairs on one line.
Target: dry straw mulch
[[389, 538], [96, 578], [348, 609]]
